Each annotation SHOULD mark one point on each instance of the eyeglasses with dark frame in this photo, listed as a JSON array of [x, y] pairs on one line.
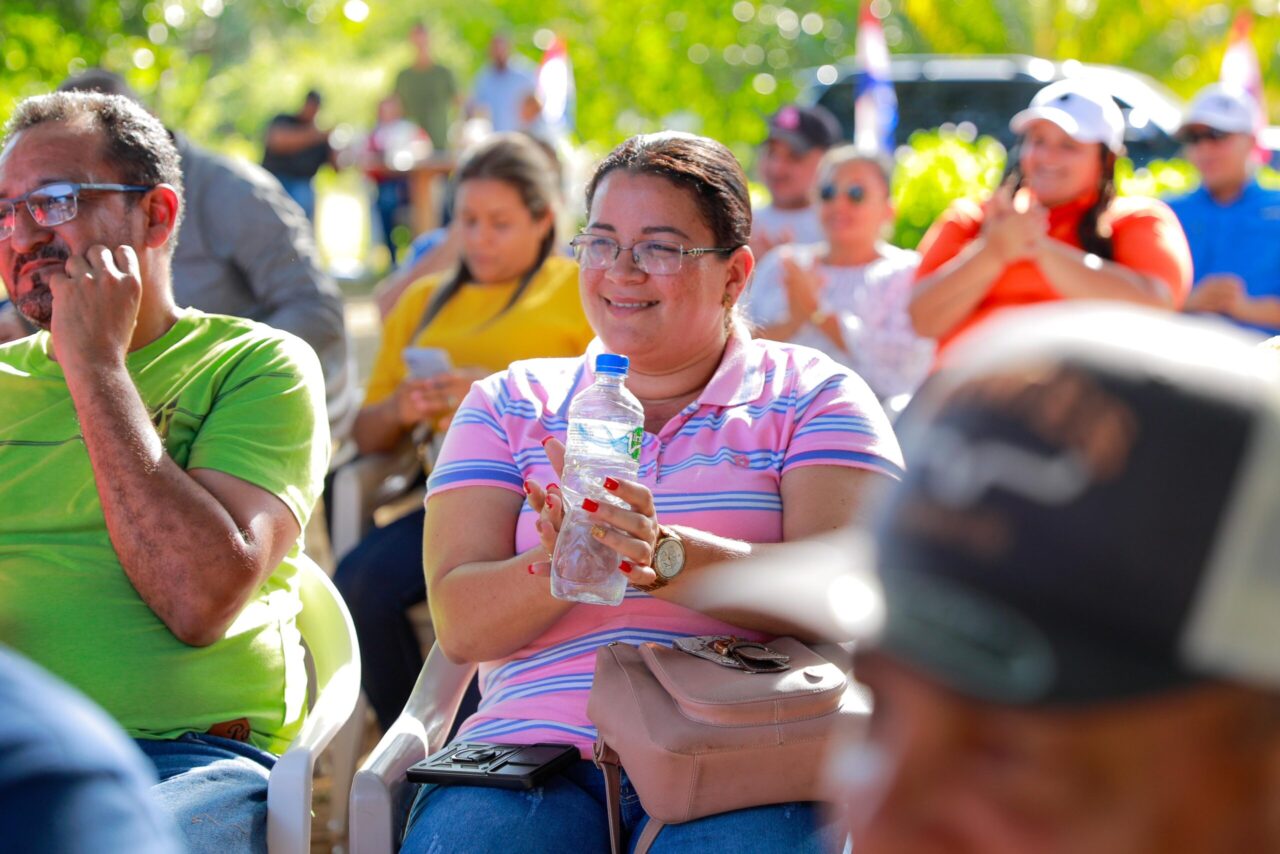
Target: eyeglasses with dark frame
[[854, 192], [55, 203], [1208, 134], [656, 257]]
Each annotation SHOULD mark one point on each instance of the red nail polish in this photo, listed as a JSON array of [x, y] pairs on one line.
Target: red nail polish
[[625, 567], [546, 440], [528, 489], [610, 484], [551, 486], [590, 505], [531, 569]]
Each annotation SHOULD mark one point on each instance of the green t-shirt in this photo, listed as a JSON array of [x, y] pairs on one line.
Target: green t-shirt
[[426, 95], [225, 394]]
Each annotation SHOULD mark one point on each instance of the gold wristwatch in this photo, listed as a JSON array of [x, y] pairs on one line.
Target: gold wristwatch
[[668, 559]]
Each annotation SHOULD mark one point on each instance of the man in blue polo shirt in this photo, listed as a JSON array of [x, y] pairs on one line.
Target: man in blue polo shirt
[[1232, 223]]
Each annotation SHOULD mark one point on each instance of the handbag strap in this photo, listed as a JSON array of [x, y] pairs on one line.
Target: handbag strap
[[607, 761], [651, 830]]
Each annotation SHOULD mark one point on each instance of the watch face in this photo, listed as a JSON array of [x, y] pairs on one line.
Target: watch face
[[669, 559]]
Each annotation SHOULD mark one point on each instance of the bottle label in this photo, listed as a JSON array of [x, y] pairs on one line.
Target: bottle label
[[590, 437]]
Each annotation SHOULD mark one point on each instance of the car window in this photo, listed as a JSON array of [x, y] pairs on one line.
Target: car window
[[988, 104]]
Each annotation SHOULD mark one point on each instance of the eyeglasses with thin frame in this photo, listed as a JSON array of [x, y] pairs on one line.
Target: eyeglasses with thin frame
[[854, 192], [55, 204], [656, 257], [1195, 137]]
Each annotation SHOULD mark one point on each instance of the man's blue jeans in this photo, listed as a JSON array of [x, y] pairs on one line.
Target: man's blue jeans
[[302, 191], [215, 789], [568, 815]]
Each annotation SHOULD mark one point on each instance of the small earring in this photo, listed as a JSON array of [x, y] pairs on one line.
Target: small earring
[[727, 302]]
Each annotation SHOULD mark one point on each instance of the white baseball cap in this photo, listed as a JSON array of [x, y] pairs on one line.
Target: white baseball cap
[[1222, 108], [1085, 115]]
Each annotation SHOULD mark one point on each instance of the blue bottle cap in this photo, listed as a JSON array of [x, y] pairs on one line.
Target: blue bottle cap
[[609, 363]]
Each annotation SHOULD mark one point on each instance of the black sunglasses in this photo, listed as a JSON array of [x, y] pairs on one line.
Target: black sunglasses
[[1195, 137], [854, 192]]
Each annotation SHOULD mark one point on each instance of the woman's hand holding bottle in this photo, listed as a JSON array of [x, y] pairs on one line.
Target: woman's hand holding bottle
[[630, 531]]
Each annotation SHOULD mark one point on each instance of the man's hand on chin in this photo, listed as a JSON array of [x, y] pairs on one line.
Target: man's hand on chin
[[96, 302]]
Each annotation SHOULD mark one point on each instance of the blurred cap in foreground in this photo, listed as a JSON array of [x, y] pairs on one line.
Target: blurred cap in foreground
[[1091, 510]]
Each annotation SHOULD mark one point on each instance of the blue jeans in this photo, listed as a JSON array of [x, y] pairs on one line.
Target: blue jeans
[[302, 191], [381, 579], [215, 789], [568, 815], [70, 779], [391, 197]]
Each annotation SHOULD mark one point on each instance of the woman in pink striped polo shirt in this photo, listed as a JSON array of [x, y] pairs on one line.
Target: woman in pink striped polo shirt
[[746, 442]]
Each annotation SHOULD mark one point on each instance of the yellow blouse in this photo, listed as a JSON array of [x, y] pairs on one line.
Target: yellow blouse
[[547, 321]]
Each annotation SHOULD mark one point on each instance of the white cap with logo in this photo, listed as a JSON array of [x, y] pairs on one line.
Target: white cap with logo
[[1223, 108], [1085, 114]]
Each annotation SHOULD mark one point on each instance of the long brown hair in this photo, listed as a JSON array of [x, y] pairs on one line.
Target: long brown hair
[[1095, 235], [518, 161]]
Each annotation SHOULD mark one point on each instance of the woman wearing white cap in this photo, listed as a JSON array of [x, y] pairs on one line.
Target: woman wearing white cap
[[1054, 231]]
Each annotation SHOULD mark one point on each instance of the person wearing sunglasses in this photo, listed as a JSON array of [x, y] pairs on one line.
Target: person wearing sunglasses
[[157, 468], [1232, 222], [847, 295], [1054, 230]]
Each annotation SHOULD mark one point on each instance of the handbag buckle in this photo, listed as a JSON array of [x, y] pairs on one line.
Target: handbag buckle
[[733, 651]]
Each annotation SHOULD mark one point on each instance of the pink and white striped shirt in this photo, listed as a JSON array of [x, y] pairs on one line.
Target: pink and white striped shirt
[[717, 466]]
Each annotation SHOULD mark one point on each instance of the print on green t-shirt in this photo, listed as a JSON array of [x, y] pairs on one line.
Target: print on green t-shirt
[[224, 394]]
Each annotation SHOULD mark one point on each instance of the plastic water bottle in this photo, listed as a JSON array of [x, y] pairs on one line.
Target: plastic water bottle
[[606, 428]]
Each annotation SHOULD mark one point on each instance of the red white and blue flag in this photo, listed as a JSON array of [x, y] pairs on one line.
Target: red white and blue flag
[[875, 106], [556, 88], [1240, 69]]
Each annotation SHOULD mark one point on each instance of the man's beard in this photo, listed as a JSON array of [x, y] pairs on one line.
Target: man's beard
[[37, 303]]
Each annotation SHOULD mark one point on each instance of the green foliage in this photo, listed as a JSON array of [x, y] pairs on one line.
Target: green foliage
[[221, 68], [935, 169]]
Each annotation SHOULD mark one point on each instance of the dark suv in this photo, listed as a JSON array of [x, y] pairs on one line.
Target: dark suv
[[987, 91]]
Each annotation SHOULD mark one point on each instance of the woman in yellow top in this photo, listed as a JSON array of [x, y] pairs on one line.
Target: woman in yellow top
[[510, 298]]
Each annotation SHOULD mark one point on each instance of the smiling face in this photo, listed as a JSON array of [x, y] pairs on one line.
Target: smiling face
[[1057, 168], [32, 158], [501, 239], [663, 323], [1192, 771], [855, 224]]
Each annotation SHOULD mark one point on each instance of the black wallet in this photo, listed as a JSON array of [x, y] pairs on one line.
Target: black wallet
[[505, 766]]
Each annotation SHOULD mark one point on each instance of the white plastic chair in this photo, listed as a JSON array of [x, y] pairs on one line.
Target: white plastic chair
[[380, 793], [363, 485], [330, 636]]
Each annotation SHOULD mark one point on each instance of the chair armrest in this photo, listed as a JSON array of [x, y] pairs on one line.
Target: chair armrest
[[331, 640], [380, 793], [332, 710]]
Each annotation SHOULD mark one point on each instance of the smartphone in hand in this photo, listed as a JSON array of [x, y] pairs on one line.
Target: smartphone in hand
[[425, 362]]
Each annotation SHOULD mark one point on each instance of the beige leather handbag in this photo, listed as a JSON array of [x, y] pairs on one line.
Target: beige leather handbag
[[714, 724]]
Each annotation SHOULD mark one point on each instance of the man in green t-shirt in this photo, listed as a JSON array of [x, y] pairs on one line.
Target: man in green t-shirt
[[427, 91], [157, 468]]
